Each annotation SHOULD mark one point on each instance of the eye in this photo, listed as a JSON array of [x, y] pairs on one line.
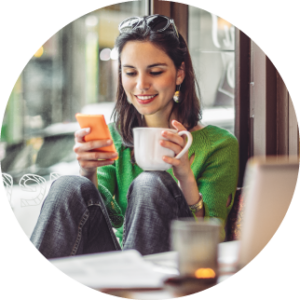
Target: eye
[[130, 73], [156, 73]]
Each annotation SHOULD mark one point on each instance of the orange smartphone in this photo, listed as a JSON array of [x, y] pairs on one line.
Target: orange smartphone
[[99, 130]]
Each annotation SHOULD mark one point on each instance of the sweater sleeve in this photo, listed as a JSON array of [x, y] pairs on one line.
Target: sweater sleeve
[[219, 178], [107, 186]]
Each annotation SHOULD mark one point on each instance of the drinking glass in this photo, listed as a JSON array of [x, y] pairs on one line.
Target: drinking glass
[[197, 245]]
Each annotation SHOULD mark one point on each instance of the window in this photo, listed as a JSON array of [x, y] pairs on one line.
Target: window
[[75, 67], [211, 44]]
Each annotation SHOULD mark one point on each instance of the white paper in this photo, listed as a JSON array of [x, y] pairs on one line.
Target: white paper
[[128, 269], [118, 269], [152, 295]]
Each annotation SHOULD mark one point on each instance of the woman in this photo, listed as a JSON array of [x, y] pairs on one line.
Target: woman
[[156, 88]]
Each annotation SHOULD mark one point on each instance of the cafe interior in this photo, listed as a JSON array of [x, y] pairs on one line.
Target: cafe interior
[[241, 91]]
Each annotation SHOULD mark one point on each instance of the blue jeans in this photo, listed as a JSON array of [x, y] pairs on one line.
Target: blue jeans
[[74, 220]]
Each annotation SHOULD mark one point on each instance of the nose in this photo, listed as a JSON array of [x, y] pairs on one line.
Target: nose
[[143, 82]]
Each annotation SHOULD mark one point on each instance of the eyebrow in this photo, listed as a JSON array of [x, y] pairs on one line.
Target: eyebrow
[[150, 66]]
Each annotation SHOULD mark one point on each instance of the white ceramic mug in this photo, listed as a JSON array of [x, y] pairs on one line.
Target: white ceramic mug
[[148, 152]]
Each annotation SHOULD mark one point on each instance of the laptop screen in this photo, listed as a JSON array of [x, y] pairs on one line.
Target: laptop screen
[[269, 186]]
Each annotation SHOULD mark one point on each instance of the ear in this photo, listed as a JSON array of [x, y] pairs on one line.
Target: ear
[[180, 74]]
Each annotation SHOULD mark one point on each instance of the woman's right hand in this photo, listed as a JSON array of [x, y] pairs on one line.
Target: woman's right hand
[[88, 159]]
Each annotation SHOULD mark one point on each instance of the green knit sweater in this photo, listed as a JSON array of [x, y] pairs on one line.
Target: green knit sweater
[[215, 167]]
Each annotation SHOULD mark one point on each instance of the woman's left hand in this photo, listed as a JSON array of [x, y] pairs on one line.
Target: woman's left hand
[[181, 167]]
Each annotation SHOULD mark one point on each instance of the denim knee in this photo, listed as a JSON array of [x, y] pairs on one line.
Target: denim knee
[[155, 178], [69, 189], [77, 180], [155, 183]]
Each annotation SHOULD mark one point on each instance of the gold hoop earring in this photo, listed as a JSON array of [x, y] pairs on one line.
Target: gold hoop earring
[[176, 96]]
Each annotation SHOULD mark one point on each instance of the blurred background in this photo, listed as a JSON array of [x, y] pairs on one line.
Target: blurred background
[[77, 67], [76, 71]]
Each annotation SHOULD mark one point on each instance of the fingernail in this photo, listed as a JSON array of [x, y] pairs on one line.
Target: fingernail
[[87, 130], [114, 154], [109, 142]]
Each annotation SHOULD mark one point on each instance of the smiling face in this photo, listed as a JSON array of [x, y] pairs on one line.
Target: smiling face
[[149, 78]]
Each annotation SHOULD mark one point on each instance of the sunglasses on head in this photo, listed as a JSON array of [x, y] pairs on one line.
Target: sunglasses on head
[[156, 23]]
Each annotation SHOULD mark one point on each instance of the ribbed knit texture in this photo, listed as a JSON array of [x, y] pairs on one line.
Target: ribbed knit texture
[[215, 167]]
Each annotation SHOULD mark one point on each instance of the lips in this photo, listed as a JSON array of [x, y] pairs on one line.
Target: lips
[[145, 99]]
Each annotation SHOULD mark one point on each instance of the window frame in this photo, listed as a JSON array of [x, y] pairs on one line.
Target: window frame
[[265, 120]]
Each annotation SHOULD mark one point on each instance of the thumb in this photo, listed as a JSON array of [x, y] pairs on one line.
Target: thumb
[[177, 125]]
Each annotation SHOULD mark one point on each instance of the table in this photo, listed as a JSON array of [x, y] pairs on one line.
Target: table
[[167, 262]]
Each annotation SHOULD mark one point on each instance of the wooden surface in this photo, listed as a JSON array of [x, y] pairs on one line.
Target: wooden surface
[[272, 117], [179, 13], [161, 7], [242, 99], [293, 130], [283, 118]]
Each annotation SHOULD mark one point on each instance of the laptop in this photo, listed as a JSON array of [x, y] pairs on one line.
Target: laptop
[[269, 185]]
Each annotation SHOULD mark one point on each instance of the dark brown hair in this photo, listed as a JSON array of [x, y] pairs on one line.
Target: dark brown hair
[[188, 111]]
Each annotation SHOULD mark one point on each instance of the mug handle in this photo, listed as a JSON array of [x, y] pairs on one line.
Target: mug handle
[[188, 144]]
